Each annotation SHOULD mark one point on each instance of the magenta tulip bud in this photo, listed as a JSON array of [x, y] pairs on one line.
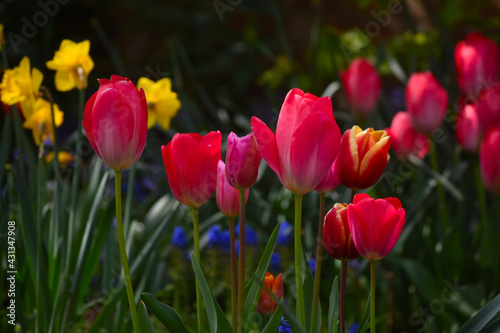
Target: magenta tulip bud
[[242, 161], [489, 159], [426, 102], [488, 108], [115, 121], [228, 197], [406, 140], [362, 86], [476, 61], [467, 129]]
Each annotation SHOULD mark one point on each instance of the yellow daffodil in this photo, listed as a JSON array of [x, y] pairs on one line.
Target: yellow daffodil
[[40, 121], [21, 85], [72, 64], [163, 103], [63, 157]]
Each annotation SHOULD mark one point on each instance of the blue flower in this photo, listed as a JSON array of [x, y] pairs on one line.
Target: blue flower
[[179, 237], [285, 234], [312, 264], [275, 264], [213, 236], [353, 328], [284, 327]]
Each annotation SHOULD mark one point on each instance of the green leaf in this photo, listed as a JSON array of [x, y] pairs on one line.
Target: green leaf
[[5, 145], [254, 287], [483, 317], [166, 314], [333, 312], [493, 326], [144, 321], [363, 324], [274, 322]]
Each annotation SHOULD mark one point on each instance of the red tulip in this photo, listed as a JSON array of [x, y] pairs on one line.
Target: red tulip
[[267, 304], [489, 159], [115, 121], [306, 141], [228, 197], [467, 129], [242, 161], [375, 225], [476, 61], [191, 164], [488, 108], [426, 102], [362, 86], [337, 235], [406, 140], [363, 156], [330, 181]]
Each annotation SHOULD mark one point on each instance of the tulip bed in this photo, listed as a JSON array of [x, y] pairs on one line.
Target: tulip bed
[[359, 195]]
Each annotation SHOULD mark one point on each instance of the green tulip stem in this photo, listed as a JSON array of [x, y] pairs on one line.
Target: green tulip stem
[[343, 281], [241, 263], [319, 254], [439, 188], [123, 251], [196, 235], [372, 298], [481, 194], [39, 318], [298, 260], [234, 275]]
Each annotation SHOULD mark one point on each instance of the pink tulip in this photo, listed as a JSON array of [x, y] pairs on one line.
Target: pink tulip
[[362, 86], [191, 165], [330, 181], [242, 161], [488, 108], [115, 121], [228, 197], [406, 140], [375, 225], [306, 141], [426, 102], [476, 61], [489, 159], [467, 129], [337, 235]]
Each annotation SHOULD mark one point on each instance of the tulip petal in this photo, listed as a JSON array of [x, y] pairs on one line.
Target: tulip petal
[[374, 162], [389, 233], [266, 141], [87, 122], [348, 164]]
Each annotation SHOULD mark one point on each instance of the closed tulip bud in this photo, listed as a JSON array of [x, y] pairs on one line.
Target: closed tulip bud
[[306, 141], [115, 121], [336, 234], [375, 225], [242, 161], [476, 61], [228, 197], [363, 157], [467, 130], [330, 181], [191, 164], [362, 86], [488, 108], [406, 140], [426, 102], [489, 159], [268, 303]]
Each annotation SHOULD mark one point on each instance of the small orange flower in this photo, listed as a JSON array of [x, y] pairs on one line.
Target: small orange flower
[[267, 303]]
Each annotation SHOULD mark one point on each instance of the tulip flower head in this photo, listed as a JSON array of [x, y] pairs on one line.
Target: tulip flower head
[[375, 225], [228, 197], [40, 122], [336, 234], [305, 144], [191, 164], [330, 181], [72, 64], [477, 59], [488, 108], [467, 129], [115, 121], [268, 303], [242, 161], [426, 102], [405, 139], [489, 159], [362, 86], [163, 103], [363, 157]]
